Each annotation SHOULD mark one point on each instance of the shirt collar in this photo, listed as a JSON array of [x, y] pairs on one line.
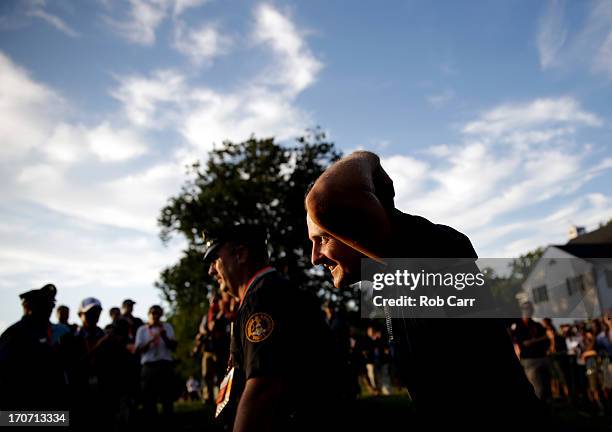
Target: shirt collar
[[258, 275]]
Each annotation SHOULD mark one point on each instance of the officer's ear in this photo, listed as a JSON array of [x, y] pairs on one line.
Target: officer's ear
[[242, 253]]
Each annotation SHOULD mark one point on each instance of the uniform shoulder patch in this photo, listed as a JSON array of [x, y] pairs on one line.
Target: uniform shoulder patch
[[259, 326]]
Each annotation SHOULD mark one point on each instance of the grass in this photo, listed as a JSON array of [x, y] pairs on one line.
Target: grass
[[371, 412]]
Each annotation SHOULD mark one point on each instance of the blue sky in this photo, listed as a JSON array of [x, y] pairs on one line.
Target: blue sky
[[491, 116]]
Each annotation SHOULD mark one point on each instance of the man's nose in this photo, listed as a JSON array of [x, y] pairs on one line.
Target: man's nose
[[211, 269], [315, 256]]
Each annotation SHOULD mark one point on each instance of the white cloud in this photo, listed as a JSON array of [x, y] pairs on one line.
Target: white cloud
[[595, 40], [512, 117], [67, 144], [100, 216], [182, 5], [65, 166], [262, 106], [60, 149], [143, 98], [441, 99], [603, 60], [202, 44], [603, 165], [589, 211], [297, 67], [107, 263], [259, 105], [552, 34], [114, 145], [54, 21], [589, 45], [537, 136], [44, 175], [408, 174], [76, 143], [441, 150], [131, 201], [235, 116], [27, 110], [145, 16], [483, 185]]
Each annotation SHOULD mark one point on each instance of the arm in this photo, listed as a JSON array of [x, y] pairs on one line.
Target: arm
[[256, 406], [535, 340], [168, 337], [352, 194], [140, 344]]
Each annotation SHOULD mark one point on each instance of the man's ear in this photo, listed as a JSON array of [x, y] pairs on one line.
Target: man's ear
[[383, 188], [242, 254]]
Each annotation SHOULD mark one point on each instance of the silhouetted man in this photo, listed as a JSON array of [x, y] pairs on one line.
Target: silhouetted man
[[62, 328], [533, 343], [459, 370], [127, 309], [31, 376]]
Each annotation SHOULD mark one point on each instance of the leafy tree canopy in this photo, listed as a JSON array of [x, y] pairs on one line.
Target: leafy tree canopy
[[257, 181]]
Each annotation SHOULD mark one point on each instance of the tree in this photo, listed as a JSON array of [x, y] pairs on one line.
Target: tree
[[506, 287], [522, 266], [256, 181]]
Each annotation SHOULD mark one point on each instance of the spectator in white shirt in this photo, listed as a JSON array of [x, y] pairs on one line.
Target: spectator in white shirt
[[155, 342]]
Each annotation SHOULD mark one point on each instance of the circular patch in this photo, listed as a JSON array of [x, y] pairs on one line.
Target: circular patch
[[258, 327]]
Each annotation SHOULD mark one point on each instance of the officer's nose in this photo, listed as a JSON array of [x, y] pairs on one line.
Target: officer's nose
[[211, 269]]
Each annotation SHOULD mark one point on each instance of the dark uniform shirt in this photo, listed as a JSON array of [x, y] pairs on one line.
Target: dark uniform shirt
[[31, 375], [280, 331], [463, 367]]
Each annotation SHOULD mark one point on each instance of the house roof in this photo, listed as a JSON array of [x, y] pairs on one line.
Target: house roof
[[587, 250], [602, 235]]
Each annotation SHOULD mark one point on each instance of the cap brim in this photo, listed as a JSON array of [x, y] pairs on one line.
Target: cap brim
[[211, 252], [89, 307]]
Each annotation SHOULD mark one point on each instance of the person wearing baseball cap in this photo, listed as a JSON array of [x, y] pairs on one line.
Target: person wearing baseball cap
[[31, 374], [350, 214], [88, 334], [127, 309], [81, 357]]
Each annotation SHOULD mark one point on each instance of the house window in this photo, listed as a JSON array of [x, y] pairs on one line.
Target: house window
[[540, 294], [574, 284]]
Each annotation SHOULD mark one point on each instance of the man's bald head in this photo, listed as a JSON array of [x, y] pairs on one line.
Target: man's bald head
[[352, 201]]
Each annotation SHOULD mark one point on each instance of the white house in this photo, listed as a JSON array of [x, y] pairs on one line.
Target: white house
[[573, 281]]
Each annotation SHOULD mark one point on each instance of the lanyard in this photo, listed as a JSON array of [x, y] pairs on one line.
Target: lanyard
[[254, 279]]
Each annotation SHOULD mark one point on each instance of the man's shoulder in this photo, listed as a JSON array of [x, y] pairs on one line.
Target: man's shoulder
[[279, 296], [268, 287], [13, 332], [141, 330], [434, 240]]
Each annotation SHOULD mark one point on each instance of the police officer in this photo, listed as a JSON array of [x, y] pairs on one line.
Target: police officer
[[31, 376], [284, 370]]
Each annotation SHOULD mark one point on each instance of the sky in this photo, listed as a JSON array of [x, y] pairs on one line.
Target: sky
[[493, 117]]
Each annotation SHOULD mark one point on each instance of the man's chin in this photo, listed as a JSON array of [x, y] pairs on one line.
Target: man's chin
[[345, 281]]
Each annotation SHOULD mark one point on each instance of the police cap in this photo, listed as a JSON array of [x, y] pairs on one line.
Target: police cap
[[244, 234], [45, 294]]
